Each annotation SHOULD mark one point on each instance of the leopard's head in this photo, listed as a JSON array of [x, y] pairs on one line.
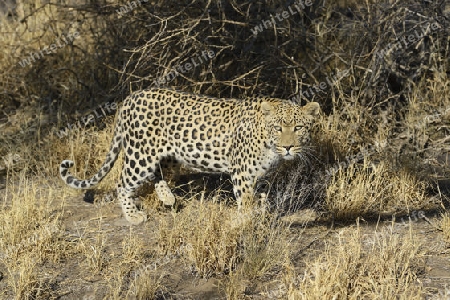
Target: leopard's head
[[288, 126]]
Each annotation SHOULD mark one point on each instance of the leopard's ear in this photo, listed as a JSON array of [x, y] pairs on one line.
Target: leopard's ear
[[312, 108], [267, 108]]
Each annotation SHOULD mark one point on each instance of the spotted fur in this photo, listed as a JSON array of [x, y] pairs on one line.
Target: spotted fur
[[240, 137]]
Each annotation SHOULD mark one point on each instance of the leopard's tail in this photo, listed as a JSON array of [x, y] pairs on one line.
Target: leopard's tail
[[111, 158]]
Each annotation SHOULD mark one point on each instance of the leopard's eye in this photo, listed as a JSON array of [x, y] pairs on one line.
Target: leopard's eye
[[277, 128], [298, 128]]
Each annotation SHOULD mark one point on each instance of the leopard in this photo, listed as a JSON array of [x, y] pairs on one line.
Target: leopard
[[241, 137]]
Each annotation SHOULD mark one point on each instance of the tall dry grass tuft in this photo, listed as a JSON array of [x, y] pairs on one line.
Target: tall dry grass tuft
[[233, 285], [30, 234], [353, 265], [28, 219], [265, 247], [213, 239], [373, 189], [134, 275], [200, 235], [142, 285], [147, 287], [445, 226], [93, 251]]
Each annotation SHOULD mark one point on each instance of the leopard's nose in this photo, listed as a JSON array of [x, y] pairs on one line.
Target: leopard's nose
[[288, 147]]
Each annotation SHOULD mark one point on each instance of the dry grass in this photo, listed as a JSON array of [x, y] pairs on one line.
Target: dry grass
[[353, 265], [202, 235], [445, 227], [373, 189], [214, 239], [30, 234]]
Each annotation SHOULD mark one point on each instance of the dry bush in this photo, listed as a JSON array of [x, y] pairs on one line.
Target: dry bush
[[291, 57], [74, 72], [355, 266], [56, 88], [424, 142]]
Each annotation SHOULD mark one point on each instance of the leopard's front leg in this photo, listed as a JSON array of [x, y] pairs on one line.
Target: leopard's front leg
[[243, 188]]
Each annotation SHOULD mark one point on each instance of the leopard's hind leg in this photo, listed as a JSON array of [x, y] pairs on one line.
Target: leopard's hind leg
[[131, 179]]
